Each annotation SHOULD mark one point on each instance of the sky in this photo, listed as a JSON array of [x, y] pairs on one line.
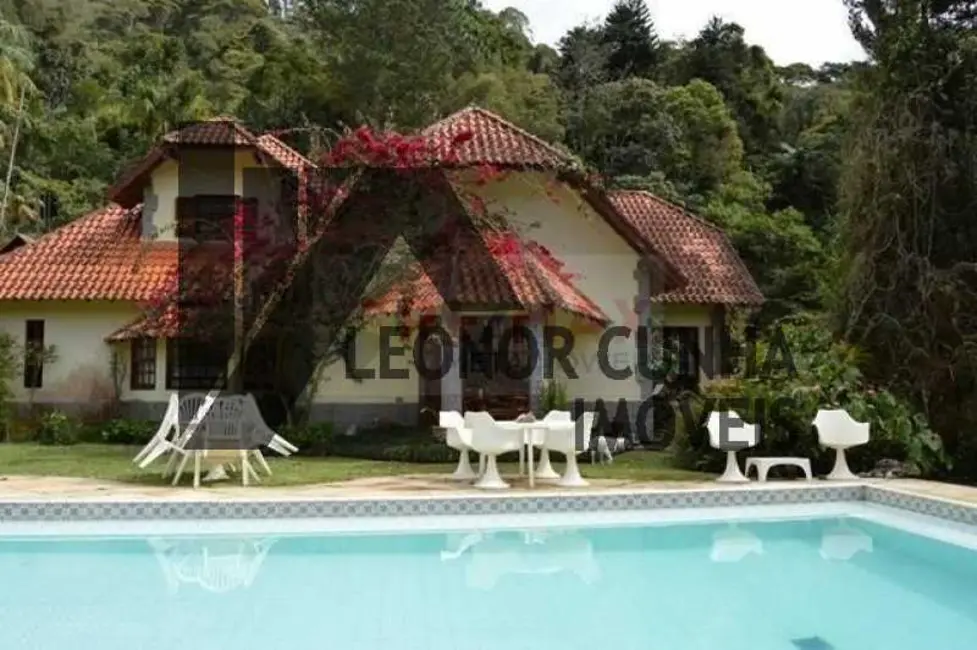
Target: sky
[[809, 31]]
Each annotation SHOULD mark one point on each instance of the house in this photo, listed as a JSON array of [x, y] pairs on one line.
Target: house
[[593, 267]]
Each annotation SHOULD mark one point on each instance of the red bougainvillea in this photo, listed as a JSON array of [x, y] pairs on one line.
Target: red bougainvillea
[[262, 245]]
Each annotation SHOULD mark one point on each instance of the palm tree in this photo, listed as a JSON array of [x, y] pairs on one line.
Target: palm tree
[[16, 62]]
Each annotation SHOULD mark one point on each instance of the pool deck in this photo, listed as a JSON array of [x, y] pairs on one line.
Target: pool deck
[[49, 488]]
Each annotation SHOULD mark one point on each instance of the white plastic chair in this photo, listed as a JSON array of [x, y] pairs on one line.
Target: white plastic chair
[[169, 424], [564, 439], [545, 469], [491, 440], [222, 424], [261, 431], [839, 431], [730, 433], [454, 423], [190, 409]]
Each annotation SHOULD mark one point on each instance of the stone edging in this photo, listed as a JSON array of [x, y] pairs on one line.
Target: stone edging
[[475, 505]]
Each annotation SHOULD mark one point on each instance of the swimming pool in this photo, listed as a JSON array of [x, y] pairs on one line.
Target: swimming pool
[[843, 578]]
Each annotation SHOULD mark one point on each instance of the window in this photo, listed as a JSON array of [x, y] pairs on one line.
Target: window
[[194, 365], [209, 217], [142, 356], [682, 350], [34, 354]]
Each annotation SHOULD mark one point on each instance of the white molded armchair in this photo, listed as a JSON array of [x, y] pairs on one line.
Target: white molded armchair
[[730, 433], [455, 436], [491, 440], [563, 438], [838, 430]]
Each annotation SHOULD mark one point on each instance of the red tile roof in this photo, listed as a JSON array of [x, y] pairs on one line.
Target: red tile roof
[[496, 141], [712, 270], [504, 273], [218, 131], [96, 257], [100, 256]]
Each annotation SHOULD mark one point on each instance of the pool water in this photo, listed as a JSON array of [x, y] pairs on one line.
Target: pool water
[[820, 584]]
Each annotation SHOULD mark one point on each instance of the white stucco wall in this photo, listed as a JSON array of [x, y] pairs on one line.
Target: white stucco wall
[[81, 371], [603, 263], [251, 180], [335, 387]]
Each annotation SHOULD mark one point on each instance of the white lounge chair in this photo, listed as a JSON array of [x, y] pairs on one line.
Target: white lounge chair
[[261, 431], [169, 425], [839, 431], [491, 440], [569, 439], [730, 433], [453, 423], [190, 409]]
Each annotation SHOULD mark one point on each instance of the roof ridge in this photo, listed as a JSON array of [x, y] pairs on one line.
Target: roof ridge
[[282, 143], [474, 108]]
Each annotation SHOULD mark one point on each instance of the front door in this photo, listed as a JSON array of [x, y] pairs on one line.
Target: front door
[[495, 357]]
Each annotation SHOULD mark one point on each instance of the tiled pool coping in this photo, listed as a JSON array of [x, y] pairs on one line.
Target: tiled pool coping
[[478, 504]]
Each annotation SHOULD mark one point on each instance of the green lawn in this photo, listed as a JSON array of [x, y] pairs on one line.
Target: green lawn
[[114, 463]]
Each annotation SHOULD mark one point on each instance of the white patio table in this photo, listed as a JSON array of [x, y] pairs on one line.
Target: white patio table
[[526, 429]]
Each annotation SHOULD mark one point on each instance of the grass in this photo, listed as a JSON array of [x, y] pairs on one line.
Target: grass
[[114, 463]]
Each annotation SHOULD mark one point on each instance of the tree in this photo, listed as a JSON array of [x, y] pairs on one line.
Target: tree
[[743, 74], [631, 41], [637, 128], [909, 190]]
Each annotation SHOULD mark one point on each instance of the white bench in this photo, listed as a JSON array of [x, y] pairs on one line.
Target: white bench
[[763, 465]]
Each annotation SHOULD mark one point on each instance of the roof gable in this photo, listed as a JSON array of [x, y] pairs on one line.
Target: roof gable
[[496, 141], [215, 132]]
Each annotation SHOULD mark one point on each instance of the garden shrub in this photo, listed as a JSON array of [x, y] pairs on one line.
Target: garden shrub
[[122, 431], [784, 402], [397, 443], [314, 439], [57, 428]]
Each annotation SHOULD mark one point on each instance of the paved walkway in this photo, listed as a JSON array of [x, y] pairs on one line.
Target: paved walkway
[[13, 488]]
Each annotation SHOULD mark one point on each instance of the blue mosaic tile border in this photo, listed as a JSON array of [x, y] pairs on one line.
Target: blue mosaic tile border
[[522, 504], [478, 505], [934, 507]]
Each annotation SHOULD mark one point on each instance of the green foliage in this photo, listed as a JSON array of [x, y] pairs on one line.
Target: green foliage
[[57, 428], [313, 439], [908, 195], [9, 365], [784, 402], [123, 431], [395, 443], [633, 46], [554, 397]]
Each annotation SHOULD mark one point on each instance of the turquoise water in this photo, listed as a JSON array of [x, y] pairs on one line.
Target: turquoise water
[[807, 585]]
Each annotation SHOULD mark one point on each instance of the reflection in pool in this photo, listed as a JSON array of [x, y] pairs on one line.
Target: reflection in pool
[[218, 565], [491, 556], [733, 544], [843, 542]]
